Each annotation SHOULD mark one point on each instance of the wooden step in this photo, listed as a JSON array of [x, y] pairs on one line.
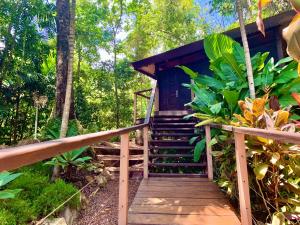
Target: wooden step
[[169, 143], [171, 125], [189, 147], [171, 155], [117, 157], [115, 148], [170, 120], [199, 165], [172, 129], [134, 168], [168, 175], [174, 135]]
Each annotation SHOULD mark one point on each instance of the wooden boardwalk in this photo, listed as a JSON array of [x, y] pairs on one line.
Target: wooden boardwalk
[[180, 201]]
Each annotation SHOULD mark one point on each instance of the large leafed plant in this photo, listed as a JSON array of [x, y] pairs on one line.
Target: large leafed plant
[[217, 94]]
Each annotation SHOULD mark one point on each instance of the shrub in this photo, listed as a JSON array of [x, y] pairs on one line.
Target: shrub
[[55, 194], [7, 218], [31, 184], [22, 211]]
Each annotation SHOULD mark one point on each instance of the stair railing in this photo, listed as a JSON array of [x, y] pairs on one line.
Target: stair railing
[[16, 157], [241, 159], [138, 99]]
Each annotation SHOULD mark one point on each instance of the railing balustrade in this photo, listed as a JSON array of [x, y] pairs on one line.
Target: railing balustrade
[[241, 159], [16, 157]]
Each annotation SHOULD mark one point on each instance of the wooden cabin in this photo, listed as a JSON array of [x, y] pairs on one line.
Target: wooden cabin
[[171, 95]]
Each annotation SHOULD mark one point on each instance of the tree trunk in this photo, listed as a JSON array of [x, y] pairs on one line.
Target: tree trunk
[[117, 102], [68, 99], [69, 86], [16, 120], [63, 28], [246, 49]]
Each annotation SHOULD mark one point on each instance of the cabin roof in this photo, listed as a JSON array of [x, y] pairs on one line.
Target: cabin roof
[[190, 52]]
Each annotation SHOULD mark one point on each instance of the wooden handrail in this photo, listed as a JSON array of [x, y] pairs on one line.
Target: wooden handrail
[[241, 158], [151, 103], [16, 157], [283, 136]]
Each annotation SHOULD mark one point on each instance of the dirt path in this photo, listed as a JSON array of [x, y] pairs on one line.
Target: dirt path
[[102, 208]]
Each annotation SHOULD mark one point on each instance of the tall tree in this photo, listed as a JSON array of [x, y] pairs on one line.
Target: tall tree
[[69, 87], [246, 49], [63, 28]]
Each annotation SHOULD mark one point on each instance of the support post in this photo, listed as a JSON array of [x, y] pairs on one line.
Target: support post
[[243, 183], [209, 153], [123, 183], [146, 151], [134, 108]]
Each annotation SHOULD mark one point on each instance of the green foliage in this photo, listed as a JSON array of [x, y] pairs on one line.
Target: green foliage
[[69, 159], [7, 218], [21, 209], [53, 195], [31, 184], [38, 196], [5, 178], [216, 96]]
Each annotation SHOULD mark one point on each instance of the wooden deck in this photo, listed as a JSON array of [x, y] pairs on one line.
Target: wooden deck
[[180, 201]]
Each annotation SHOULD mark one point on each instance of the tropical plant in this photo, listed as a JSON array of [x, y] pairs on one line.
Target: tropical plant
[[216, 96], [71, 159], [5, 178], [275, 165]]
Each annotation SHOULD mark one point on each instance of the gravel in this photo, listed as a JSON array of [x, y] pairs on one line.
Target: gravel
[[102, 207]]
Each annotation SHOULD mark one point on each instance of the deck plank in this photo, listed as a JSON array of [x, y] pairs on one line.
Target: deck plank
[[180, 201]]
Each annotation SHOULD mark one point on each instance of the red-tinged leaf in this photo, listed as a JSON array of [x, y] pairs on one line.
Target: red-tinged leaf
[[296, 96]]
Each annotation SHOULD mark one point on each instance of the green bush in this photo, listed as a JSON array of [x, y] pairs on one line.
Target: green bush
[[7, 218], [38, 168], [31, 184], [22, 210], [55, 194]]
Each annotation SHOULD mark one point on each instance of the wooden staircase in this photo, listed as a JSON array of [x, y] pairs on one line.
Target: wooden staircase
[[171, 155]]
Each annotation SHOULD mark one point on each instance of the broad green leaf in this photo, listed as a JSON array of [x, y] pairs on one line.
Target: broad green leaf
[[6, 194], [231, 98], [260, 170], [189, 72], [238, 53], [283, 61], [216, 108], [286, 76], [215, 45], [199, 148], [6, 177], [192, 140], [287, 100], [210, 82]]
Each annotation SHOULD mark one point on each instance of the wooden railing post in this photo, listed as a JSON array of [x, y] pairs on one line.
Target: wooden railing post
[[209, 153], [134, 108], [146, 151], [123, 185], [243, 183]]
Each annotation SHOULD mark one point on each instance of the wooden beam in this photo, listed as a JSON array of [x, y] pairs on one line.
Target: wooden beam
[[16, 157], [142, 91], [209, 153], [242, 175], [123, 183], [146, 152]]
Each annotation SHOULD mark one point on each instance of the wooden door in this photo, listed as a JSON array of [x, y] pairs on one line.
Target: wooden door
[[172, 95]]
